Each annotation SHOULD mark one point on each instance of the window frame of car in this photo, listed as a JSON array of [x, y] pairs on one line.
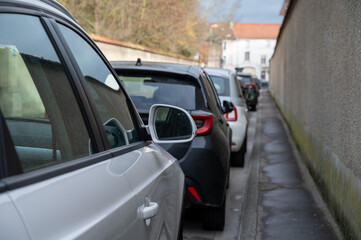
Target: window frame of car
[[143, 135], [237, 85], [102, 151], [211, 91]]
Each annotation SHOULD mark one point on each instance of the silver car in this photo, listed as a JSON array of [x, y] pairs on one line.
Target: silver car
[[227, 87], [76, 161]]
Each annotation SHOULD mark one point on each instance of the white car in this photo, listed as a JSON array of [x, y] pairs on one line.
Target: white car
[[226, 84], [76, 161]]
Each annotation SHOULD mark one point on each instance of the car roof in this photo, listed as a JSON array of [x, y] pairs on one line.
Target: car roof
[[218, 71], [181, 69], [50, 7], [244, 74]]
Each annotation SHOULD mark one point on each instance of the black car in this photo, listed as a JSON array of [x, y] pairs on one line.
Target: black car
[[205, 161]]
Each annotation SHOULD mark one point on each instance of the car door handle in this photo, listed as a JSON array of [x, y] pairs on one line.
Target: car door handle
[[148, 212], [148, 209]]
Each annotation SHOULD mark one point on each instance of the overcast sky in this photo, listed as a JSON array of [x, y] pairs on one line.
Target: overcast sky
[[249, 11]]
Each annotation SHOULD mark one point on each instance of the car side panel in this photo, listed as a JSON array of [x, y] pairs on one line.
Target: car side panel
[[239, 130], [95, 202], [156, 174], [11, 225], [239, 127]]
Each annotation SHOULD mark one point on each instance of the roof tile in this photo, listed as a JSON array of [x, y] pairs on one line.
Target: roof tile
[[257, 30]]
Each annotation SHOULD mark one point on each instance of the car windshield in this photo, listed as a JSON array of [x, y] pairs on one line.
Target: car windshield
[[152, 89], [221, 84], [246, 79]]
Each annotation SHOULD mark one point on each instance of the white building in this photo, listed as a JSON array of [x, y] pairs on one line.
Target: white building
[[251, 48]]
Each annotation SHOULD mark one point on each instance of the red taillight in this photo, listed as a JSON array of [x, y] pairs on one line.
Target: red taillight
[[193, 191], [250, 84], [232, 116], [203, 123]]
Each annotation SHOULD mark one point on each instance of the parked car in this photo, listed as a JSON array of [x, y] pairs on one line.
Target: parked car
[[76, 160], [257, 82], [227, 87], [264, 83], [251, 92], [206, 160]]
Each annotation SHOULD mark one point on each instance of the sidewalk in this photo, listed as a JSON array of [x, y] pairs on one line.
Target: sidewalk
[[281, 201]]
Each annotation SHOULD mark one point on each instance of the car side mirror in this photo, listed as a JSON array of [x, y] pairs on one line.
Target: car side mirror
[[227, 107], [170, 124]]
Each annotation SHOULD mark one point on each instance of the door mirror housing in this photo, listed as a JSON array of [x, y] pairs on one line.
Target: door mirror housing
[[170, 124], [227, 107]]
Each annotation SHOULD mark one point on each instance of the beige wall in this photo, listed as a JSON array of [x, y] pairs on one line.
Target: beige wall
[[115, 52], [316, 81]]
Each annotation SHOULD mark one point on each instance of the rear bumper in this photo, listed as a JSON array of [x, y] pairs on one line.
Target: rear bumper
[[206, 169], [238, 135], [239, 130]]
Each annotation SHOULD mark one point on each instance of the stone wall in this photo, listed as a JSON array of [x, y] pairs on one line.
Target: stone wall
[[315, 78]]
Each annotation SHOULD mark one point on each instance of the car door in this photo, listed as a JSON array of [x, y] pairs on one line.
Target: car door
[[11, 225], [153, 174], [59, 183]]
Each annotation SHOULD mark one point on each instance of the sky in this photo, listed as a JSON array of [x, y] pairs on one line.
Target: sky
[[248, 11]]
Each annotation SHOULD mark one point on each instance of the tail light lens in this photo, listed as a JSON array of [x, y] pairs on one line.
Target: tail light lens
[[193, 191], [250, 84], [232, 116], [204, 123]]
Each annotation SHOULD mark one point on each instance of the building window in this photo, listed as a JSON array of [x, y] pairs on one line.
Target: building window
[[246, 56], [263, 59], [263, 75]]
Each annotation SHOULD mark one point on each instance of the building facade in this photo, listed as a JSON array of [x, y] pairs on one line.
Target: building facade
[[251, 49]]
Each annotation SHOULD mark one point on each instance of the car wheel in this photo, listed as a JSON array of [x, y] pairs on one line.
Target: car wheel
[[238, 157], [244, 145], [213, 218]]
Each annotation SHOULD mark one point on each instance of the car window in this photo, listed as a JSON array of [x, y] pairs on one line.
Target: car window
[[213, 99], [108, 96], [246, 79], [237, 85], [147, 90], [36, 98], [221, 84]]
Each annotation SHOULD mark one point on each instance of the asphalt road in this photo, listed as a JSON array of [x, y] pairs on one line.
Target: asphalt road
[[273, 196]]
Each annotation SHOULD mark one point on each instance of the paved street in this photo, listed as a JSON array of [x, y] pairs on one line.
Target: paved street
[[273, 196]]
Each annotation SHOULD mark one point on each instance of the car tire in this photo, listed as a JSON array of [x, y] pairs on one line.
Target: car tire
[[213, 218], [238, 157], [244, 145]]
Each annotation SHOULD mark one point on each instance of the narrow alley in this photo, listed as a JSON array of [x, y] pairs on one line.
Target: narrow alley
[[273, 196]]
